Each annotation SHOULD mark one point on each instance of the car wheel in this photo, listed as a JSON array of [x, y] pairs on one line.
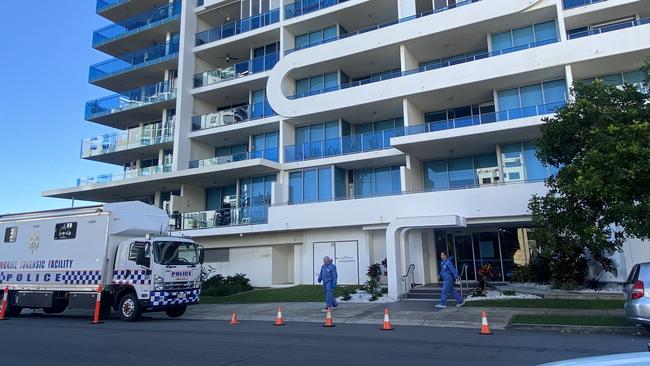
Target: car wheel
[[176, 311], [129, 308]]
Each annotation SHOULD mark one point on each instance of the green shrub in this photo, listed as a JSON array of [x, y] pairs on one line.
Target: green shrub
[[478, 292], [217, 285], [523, 274]]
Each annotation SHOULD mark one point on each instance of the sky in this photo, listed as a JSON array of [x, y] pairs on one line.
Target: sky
[[45, 59]]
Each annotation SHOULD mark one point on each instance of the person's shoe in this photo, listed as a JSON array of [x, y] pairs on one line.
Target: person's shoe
[[335, 305], [460, 304], [324, 310], [440, 306]]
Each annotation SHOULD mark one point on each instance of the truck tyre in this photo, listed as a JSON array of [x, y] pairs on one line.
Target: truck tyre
[[129, 308], [13, 311], [176, 312]]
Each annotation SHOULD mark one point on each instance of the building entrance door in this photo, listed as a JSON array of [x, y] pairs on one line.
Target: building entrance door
[[345, 255], [464, 255]]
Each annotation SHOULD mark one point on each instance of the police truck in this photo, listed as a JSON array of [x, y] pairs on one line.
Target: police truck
[[63, 259]]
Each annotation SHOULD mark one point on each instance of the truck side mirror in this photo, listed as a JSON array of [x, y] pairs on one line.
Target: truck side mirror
[[141, 259], [201, 255]]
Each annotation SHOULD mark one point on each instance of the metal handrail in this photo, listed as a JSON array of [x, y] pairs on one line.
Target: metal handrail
[[410, 271], [464, 270]]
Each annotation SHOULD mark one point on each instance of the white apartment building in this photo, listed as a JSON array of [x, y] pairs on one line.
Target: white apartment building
[[276, 132]]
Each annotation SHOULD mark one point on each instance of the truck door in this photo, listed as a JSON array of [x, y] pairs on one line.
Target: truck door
[[127, 272]]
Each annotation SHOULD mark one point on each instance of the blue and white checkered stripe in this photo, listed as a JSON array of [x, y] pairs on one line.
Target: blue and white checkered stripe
[[132, 277], [164, 298], [82, 277]]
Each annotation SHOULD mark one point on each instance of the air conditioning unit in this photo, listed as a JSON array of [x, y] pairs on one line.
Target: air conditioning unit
[[230, 200], [487, 176]]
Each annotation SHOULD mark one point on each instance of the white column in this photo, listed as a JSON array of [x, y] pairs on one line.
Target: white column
[[568, 72], [412, 114]]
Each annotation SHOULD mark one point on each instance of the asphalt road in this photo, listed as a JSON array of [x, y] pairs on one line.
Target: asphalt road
[[69, 340]]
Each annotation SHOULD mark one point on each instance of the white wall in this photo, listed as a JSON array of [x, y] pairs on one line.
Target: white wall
[[255, 262], [282, 263]]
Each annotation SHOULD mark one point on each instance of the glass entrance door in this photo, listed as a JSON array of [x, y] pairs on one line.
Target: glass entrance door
[[464, 255]]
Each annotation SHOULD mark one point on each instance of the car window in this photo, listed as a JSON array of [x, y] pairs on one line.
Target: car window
[[634, 275]]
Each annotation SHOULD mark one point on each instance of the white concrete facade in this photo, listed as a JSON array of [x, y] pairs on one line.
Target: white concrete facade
[[361, 129]]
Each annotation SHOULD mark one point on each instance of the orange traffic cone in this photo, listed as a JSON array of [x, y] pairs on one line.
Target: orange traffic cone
[[328, 319], [278, 318], [485, 328], [3, 308], [233, 320], [387, 325]]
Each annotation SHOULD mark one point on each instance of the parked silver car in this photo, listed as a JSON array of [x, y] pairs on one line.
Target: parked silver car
[[637, 295]]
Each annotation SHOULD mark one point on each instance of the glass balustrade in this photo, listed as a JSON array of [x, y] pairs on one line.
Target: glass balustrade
[[268, 154], [238, 27], [609, 28], [568, 4], [105, 4], [342, 145], [232, 116], [307, 6], [383, 25], [138, 23], [124, 175], [134, 60], [219, 218], [438, 65], [238, 70], [149, 94], [536, 110], [133, 138]]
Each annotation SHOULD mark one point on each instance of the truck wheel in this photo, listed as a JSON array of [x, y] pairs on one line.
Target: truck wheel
[[129, 308], [176, 311], [13, 311]]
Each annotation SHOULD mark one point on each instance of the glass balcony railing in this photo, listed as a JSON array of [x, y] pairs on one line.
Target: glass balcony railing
[[105, 4], [124, 175], [150, 94], [609, 28], [383, 25], [568, 4], [134, 60], [438, 65], [342, 145], [232, 116], [153, 134], [268, 154], [219, 218], [238, 70], [302, 7], [479, 119], [238, 27], [138, 23]]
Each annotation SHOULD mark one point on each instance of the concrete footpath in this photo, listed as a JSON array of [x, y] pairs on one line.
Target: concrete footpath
[[418, 313]]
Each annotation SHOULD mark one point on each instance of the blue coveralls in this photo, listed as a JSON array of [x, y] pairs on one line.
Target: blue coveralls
[[448, 274], [328, 277]]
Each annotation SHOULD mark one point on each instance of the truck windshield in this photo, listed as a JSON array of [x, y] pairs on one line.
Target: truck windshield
[[175, 253]]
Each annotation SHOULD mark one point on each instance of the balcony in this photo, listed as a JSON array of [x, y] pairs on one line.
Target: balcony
[[383, 25], [133, 60], [268, 154], [147, 20], [609, 28], [232, 116], [220, 218], [238, 70], [568, 4], [95, 147], [345, 145], [104, 110], [124, 175], [429, 67], [238, 27], [105, 4], [507, 115], [302, 7]]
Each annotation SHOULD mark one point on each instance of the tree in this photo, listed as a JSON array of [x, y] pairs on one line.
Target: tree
[[601, 194]]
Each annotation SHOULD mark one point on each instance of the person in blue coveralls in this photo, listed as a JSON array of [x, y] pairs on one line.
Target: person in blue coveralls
[[449, 275], [328, 277]]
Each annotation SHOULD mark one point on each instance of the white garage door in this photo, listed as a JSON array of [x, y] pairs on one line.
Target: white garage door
[[346, 260]]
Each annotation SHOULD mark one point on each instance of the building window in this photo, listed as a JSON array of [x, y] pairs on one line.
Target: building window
[[11, 233], [635, 77], [215, 255], [532, 95], [377, 181], [540, 32], [316, 83], [311, 185], [520, 163], [465, 172], [316, 37]]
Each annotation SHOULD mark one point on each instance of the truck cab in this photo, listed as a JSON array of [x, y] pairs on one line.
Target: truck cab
[[155, 274]]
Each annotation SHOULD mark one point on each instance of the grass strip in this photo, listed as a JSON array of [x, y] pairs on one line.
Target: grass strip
[[549, 304], [580, 320], [301, 293]]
